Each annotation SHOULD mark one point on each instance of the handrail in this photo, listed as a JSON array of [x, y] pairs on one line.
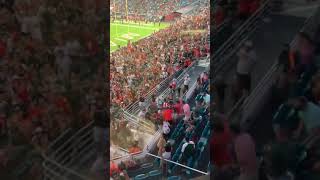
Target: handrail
[[236, 107], [306, 27], [58, 138], [135, 110], [187, 167], [243, 26], [58, 165], [164, 83], [166, 92], [79, 137], [70, 139], [155, 89], [127, 155], [267, 80], [228, 48], [191, 90]]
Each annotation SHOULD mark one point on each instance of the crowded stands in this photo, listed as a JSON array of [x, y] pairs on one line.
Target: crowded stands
[[130, 67], [51, 55], [152, 11], [292, 152], [185, 127], [295, 121]]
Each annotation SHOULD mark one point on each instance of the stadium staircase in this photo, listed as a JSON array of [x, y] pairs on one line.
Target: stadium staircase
[[257, 113], [202, 131], [62, 162], [283, 28], [263, 86]]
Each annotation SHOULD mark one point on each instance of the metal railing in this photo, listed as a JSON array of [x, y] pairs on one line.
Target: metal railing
[[220, 59], [52, 170], [181, 165], [132, 108], [262, 91], [57, 161], [163, 89]]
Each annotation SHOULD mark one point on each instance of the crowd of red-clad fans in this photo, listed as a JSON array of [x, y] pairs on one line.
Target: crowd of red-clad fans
[[51, 54], [141, 66]]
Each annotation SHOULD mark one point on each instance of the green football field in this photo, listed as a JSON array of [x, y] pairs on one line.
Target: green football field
[[120, 33]]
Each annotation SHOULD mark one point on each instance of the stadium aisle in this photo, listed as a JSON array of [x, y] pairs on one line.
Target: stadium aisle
[[267, 42], [85, 162]]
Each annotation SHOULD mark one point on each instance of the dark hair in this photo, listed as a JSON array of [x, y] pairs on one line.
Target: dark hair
[[217, 126], [187, 138], [302, 102], [122, 166], [235, 128], [167, 147]]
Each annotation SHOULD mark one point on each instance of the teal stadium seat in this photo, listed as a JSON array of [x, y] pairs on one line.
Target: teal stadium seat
[[147, 166], [141, 177], [174, 178], [155, 174]]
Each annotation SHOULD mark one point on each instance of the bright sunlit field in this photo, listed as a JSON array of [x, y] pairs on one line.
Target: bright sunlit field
[[121, 33]]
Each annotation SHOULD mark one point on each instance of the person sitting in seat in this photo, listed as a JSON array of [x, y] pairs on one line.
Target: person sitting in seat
[[309, 114], [166, 155], [187, 150]]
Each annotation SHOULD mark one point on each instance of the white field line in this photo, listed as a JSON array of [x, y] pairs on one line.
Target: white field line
[[142, 27], [121, 40], [133, 34]]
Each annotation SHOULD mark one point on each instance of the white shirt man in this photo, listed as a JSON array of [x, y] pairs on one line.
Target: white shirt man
[[186, 80]]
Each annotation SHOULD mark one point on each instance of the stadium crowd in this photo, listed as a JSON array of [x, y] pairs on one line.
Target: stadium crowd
[[142, 65], [147, 10], [168, 112], [180, 122], [293, 152], [51, 54]]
